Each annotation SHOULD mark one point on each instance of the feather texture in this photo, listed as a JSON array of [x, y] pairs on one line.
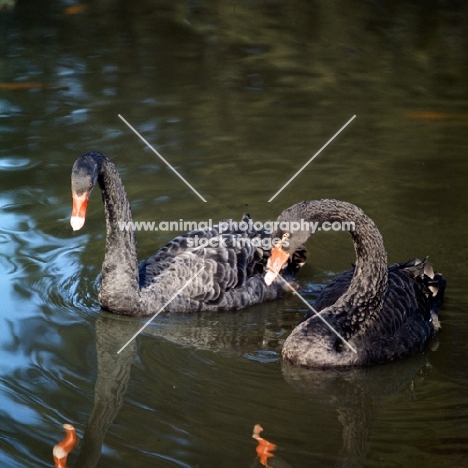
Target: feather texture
[[230, 273], [383, 313]]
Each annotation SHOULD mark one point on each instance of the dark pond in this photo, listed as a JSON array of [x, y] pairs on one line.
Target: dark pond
[[237, 96]]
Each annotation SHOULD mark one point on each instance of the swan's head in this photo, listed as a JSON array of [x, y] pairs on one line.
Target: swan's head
[[287, 242], [84, 177]]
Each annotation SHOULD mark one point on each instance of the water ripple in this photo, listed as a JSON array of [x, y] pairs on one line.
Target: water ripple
[[16, 164]]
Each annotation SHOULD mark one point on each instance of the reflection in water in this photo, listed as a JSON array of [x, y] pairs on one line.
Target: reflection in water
[[223, 333], [356, 394], [255, 333], [265, 451], [65, 446], [238, 95], [111, 383]]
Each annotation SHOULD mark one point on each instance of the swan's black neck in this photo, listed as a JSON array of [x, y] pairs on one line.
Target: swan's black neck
[[120, 290], [366, 292]]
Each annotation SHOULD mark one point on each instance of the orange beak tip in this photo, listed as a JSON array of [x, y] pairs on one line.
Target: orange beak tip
[[80, 203], [276, 263]]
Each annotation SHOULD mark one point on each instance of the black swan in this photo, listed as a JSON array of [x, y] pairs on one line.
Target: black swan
[[181, 276], [383, 313]]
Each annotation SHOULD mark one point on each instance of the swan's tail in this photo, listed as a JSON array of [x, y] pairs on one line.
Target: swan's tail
[[432, 284]]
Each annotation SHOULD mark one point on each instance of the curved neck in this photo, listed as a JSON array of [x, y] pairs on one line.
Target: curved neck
[[369, 283], [120, 290]]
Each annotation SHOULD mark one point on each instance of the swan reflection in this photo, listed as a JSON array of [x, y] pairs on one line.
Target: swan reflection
[[113, 375], [355, 394]]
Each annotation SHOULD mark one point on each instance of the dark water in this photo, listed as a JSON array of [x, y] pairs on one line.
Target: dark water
[[237, 97]]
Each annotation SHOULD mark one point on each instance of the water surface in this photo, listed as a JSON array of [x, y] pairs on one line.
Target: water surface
[[237, 98]]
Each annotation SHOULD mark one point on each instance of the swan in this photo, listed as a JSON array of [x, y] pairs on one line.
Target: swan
[[383, 313], [182, 276]]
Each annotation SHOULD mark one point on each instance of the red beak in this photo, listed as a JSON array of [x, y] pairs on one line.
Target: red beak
[[276, 263], [80, 202]]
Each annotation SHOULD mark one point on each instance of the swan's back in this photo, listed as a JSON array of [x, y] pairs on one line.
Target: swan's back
[[409, 317], [407, 320], [231, 265]]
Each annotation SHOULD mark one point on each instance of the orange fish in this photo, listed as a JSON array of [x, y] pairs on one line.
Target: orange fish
[[434, 115], [22, 86], [75, 9]]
